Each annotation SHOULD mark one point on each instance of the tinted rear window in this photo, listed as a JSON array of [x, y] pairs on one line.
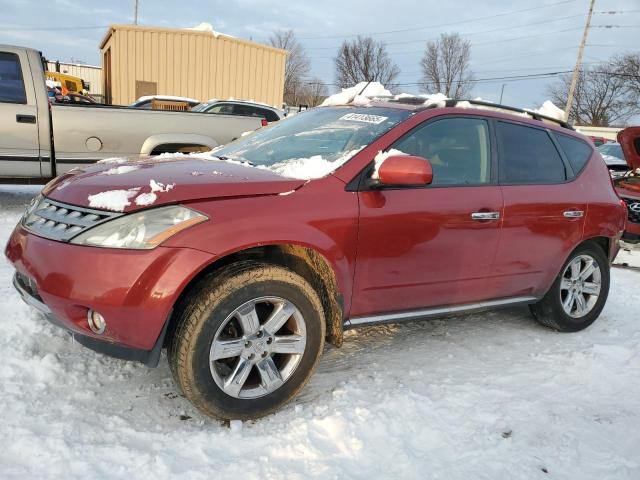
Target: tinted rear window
[[528, 155], [11, 84], [577, 151]]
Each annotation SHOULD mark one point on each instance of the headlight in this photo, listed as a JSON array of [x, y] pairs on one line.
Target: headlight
[[142, 230]]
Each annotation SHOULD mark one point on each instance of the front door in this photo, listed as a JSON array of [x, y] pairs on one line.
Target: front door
[[435, 245], [19, 142]]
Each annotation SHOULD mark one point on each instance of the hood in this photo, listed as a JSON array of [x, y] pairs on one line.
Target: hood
[[127, 186], [629, 140]]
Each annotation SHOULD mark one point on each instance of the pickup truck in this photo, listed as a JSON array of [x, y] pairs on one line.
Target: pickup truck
[[40, 140]]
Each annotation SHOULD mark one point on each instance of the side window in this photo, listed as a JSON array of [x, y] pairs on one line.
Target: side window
[[269, 115], [245, 110], [459, 150], [527, 155], [221, 108], [577, 151], [11, 83]]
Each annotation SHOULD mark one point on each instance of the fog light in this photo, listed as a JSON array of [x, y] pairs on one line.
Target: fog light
[[96, 322]]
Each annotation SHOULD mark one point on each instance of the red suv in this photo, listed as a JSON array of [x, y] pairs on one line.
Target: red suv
[[242, 264]]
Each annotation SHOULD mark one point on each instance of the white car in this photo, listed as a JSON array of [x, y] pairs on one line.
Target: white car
[[614, 158], [240, 107]]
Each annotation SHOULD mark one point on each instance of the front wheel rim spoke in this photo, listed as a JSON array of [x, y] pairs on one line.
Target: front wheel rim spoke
[[226, 349], [248, 318], [591, 288], [291, 344], [270, 377], [279, 317], [234, 382], [566, 284]]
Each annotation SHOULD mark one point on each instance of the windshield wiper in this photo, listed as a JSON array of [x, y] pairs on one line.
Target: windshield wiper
[[239, 159]]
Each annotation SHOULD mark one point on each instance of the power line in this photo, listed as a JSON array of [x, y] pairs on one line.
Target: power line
[[475, 19], [50, 29], [405, 42], [492, 42]]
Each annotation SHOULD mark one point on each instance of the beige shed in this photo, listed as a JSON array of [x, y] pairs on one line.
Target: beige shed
[[138, 61]]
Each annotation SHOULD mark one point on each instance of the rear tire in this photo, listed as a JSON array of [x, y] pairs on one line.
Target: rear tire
[[227, 352], [579, 293]]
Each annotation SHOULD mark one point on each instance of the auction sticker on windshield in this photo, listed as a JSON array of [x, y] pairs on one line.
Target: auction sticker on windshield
[[363, 117]]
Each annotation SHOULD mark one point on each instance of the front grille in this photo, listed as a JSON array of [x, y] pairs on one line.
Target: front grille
[[60, 221], [634, 209]]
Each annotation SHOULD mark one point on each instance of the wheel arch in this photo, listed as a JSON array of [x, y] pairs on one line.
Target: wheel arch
[[605, 243], [307, 262], [154, 143]]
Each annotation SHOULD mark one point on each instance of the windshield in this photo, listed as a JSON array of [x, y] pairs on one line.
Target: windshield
[[613, 149], [323, 137]]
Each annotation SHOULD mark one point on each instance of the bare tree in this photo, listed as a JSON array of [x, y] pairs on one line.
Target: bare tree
[[297, 66], [446, 66], [628, 66], [602, 97], [364, 60], [313, 92]]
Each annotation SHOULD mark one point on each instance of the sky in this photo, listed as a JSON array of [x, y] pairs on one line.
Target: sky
[[508, 38]]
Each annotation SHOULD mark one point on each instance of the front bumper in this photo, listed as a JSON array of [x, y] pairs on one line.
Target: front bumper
[[147, 357], [135, 290]]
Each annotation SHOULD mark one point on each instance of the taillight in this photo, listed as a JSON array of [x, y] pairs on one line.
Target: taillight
[[264, 122]]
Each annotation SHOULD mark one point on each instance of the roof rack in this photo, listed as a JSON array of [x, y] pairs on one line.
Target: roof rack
[[496, 106]]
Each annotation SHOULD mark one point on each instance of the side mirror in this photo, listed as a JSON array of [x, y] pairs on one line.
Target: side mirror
[[405, 171]]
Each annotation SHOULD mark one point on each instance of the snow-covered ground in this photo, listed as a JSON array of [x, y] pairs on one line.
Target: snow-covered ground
[[490, 396]]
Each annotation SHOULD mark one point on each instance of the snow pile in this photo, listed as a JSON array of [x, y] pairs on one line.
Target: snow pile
[[437, 99], [357, 95], [486, 396], [309, 168], [304, 168], [548, 109], [148, 198], [380, 158], [120, 170], [114, 200], [116, 160], [206, 27]]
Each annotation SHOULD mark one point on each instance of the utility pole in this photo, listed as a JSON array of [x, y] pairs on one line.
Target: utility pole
[[576, 70], [135, 12], [502, 93]]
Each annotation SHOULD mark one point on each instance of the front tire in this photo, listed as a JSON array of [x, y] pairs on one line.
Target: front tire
[[578, 294], [248, 340]]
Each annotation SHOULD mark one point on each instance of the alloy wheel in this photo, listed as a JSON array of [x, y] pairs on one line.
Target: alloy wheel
[[580, 286], [258, 347]]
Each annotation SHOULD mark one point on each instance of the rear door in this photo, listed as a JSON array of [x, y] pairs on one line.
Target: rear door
[[544, 208], [19, 142]]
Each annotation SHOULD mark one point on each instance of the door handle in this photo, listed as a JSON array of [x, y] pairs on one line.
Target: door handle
[[25, 118], [573, 213], [485, 215]]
